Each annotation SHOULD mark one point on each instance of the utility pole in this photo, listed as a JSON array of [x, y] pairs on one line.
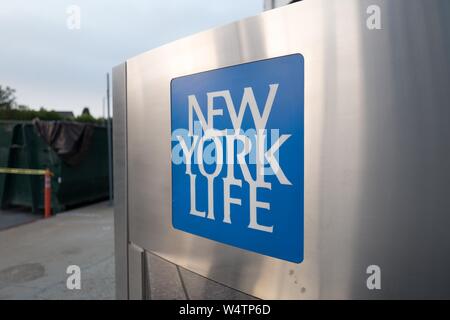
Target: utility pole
[[108, 127], [103, 109]]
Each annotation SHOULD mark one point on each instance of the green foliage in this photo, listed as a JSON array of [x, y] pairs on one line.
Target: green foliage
[[7, 98], [25, 114], [12, 112], [86, 111], [28, 115], [87, 118]]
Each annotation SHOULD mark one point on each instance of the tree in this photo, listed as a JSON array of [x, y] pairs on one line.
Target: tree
[[7, 98], [86, 111]]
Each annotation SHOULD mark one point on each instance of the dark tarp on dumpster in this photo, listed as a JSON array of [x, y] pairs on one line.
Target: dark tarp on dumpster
[[70, 140]]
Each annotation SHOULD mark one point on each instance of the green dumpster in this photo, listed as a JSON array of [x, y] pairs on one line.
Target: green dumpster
[[23, 146], [6, 138]]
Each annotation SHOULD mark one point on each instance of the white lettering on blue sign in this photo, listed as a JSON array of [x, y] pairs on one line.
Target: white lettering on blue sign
[[237, 155]]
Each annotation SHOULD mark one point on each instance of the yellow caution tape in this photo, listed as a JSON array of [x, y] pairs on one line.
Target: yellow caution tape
[[23, 171]]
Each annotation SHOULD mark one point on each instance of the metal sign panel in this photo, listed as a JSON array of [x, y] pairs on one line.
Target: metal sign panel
[[237, 155], [376, 147]]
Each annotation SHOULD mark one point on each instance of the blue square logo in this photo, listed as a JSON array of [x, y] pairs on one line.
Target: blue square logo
[[238, 156]]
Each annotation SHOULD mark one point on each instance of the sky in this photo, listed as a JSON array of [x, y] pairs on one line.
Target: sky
[[52, 63]]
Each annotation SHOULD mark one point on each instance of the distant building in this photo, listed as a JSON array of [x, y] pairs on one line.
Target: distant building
[[272, 4], [66, 114]]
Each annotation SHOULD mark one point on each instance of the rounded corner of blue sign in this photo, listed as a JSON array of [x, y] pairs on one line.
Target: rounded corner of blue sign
[[298, 259]]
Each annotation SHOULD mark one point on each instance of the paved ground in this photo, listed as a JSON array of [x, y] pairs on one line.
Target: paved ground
[[34, 257], [16, 217]]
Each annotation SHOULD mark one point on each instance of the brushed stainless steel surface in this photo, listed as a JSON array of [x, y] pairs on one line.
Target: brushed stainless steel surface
[[377, 149], [136, 267], [272, 4], [120, 180]]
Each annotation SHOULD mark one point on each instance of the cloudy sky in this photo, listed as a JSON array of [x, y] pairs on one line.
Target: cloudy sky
[[64, 69]]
